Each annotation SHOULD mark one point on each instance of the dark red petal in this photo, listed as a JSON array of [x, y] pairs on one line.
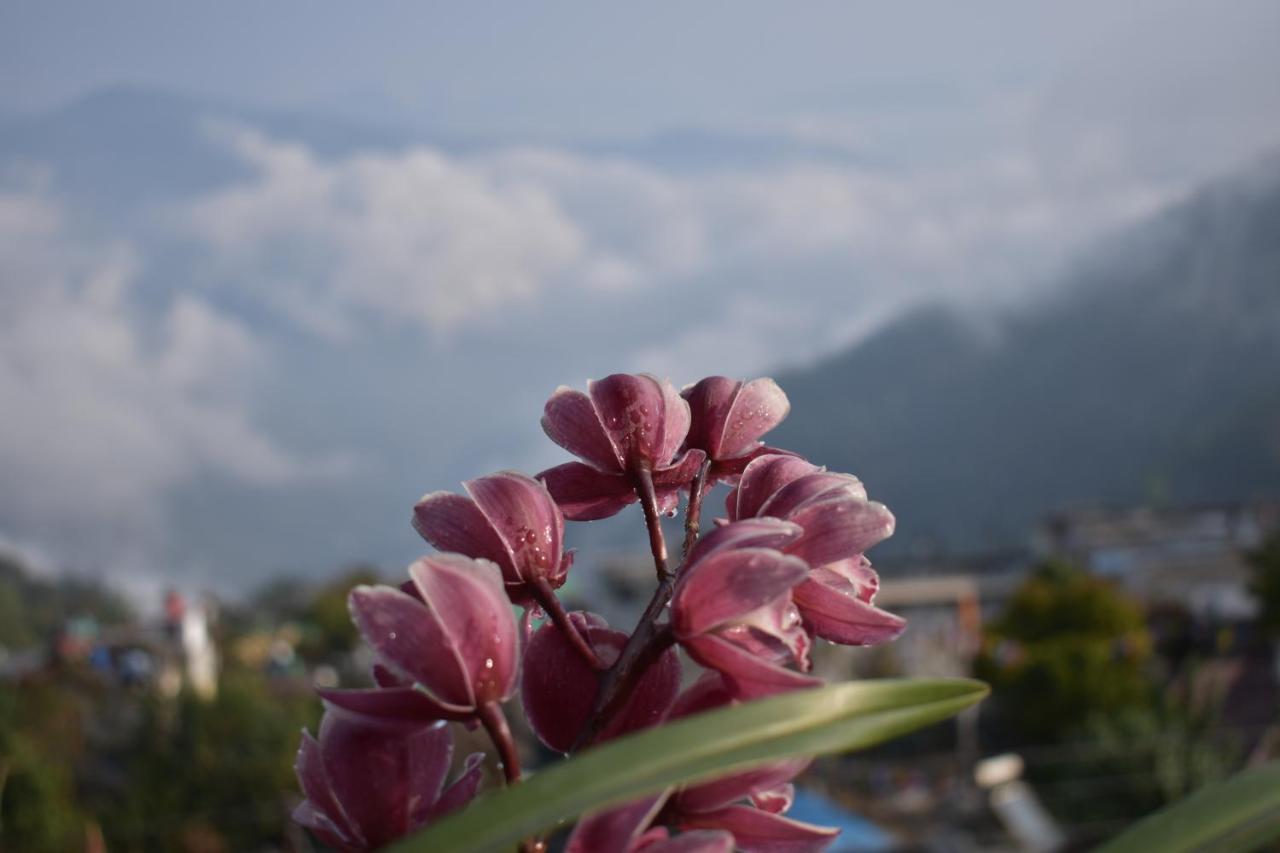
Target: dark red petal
[[463, 789], [326, 813], [559, 687], [454, 523], [707, 693], [756, 831], [748, 533], [764, 476], [409, 638], [376, 769], [748, 676], [468, 599], [719, 793], [842, 617], [839, 527], [585, 494], [697, 841], [307, 816], [758, 407], [614, 830], [730, 584], [709, 402], [526, 518], [632, 410], [394, 704], [675, 423], [570, 420]]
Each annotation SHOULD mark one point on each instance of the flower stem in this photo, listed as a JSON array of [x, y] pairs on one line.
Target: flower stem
[[495, 723], [643, 480], [550, 602], [693, 513]]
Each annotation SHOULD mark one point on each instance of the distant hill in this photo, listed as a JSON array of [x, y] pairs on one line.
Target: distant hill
[[1153, 375]]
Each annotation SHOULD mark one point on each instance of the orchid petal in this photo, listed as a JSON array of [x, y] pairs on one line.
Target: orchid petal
[[570, 420], [585, 494], [811, 487], [756, 831], [697, 841], [761, 479], [725, 791], [526, 518], [757, 407], [409, 638], [842, 617], [748, 676], [775, 800], [326, 812], [466, 596], [307, 816], [463, 789], [614, 830], [394, 704], [709, 404], [747, 533], [839, 527], [730, 584], [454, 523]]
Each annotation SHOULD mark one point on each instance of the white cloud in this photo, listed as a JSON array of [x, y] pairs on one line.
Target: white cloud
[[109, 405]]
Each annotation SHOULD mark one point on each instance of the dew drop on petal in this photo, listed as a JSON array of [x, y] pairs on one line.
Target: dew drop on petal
[[488, 663]]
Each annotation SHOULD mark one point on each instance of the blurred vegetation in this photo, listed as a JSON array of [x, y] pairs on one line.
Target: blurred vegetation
[[1265, 585], [1068, 646], [32, 608]]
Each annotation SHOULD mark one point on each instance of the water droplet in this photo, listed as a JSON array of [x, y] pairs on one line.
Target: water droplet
[[391, 635], [488, 663]]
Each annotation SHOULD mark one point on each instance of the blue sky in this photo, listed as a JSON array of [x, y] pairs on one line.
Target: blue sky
[[260, 361]]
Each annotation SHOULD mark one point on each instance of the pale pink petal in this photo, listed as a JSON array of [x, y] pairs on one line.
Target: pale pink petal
[[839, 527], [615, 830], [842, 617], [585, 494], [764, 476], [730, 584], [410, 639], [854, 575], [526, 518], [756, 831], [455, 524], [467, 598], [748, 676], [759, 406], [571, 421]]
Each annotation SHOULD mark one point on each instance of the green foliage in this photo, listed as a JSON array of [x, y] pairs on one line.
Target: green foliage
[[329, 629], [834, 718], [1240, 814], [1068, 646], [1265, 583], [32, 608]]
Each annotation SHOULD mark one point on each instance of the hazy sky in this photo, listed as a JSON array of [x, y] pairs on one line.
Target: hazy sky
[[236, 347]]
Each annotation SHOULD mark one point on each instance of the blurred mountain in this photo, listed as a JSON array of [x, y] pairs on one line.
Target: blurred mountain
[[1153, 375]]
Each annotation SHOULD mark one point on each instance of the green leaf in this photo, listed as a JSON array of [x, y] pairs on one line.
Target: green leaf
[[835, 718], [1239, 814]]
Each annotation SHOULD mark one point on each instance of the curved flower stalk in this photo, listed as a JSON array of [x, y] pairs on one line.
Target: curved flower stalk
[[623, 425], [367, 782], [728, 417], [839, 524], [732, 610], [446, 645]]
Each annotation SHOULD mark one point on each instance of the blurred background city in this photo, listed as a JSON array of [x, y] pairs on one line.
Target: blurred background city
[[269, 274]]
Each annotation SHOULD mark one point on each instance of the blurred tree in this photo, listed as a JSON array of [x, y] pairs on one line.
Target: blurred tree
[[1068, 645], [328, 631], [1265, 584]]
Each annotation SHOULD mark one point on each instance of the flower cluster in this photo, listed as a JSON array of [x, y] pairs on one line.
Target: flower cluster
[[747, 601]]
